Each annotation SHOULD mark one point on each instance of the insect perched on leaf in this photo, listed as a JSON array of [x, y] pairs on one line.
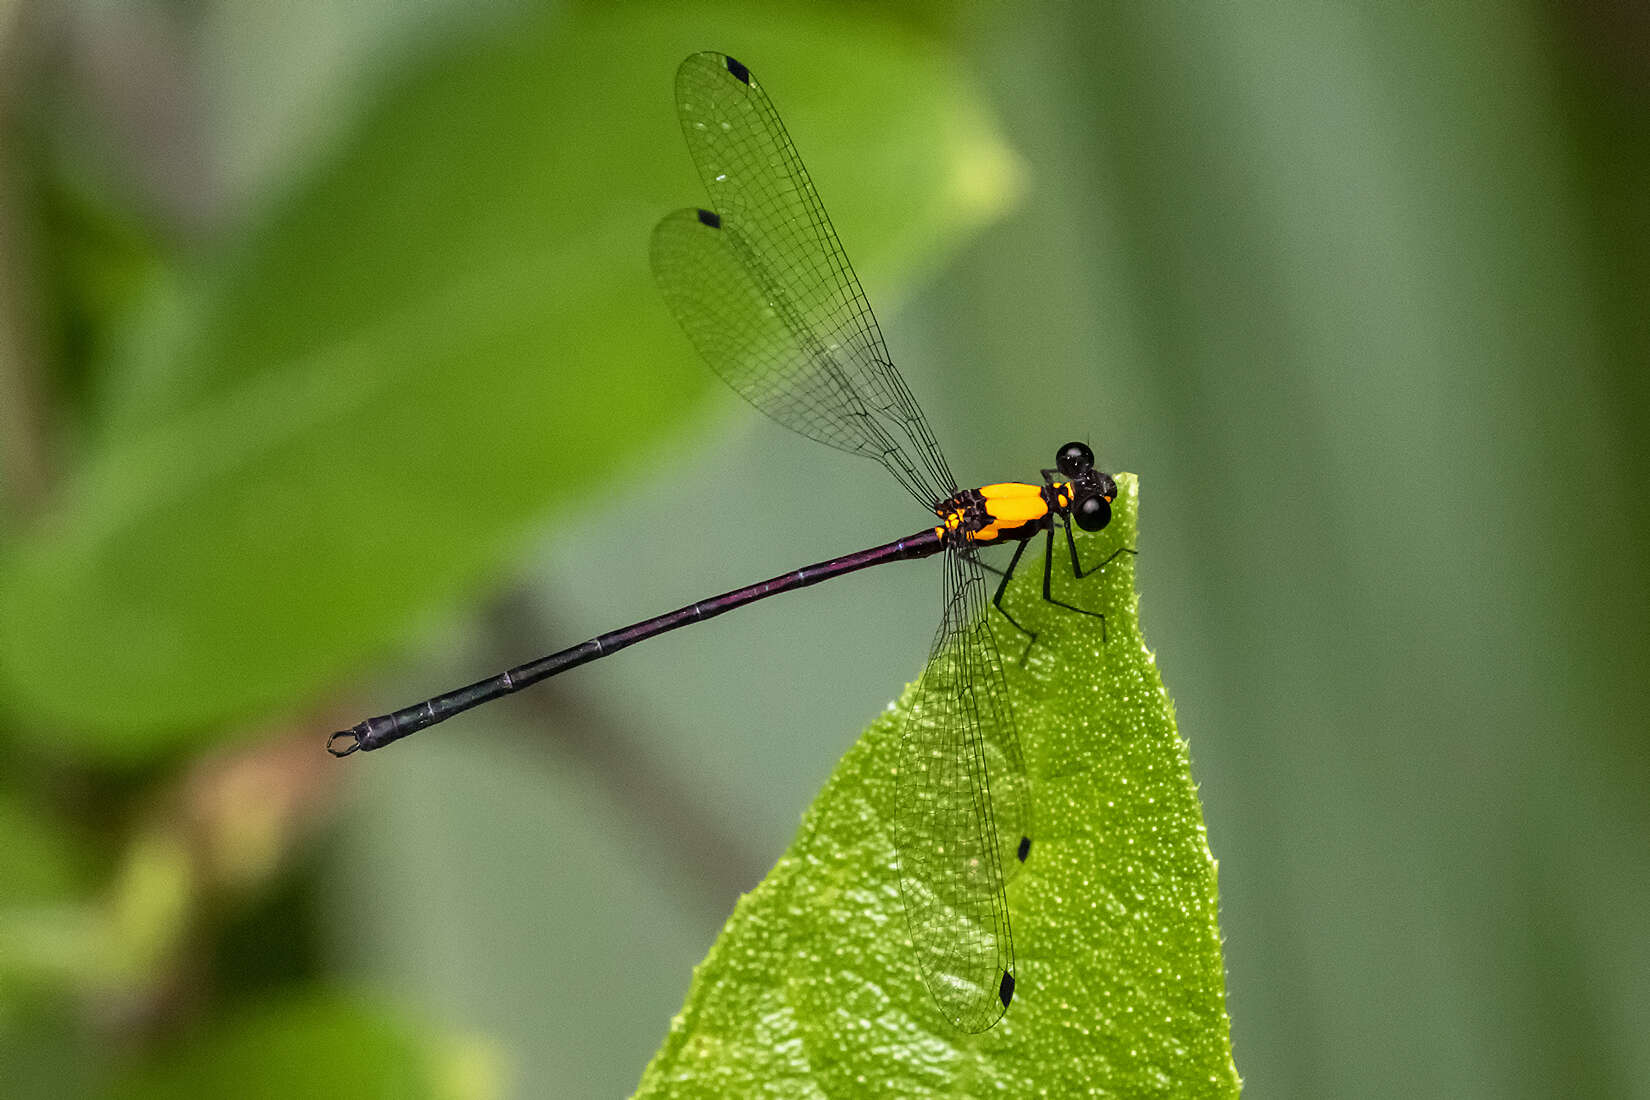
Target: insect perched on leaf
[[762, 287]]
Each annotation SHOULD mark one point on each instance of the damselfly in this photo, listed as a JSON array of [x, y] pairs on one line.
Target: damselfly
[[762, 287]]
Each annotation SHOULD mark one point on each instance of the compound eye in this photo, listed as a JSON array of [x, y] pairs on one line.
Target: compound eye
[[1074, 458], [1092, 513]]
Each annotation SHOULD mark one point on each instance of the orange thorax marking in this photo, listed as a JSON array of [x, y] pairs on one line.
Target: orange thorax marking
[[1010, 504]]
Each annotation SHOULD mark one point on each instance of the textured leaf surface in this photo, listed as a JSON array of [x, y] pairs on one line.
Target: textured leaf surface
[[812, 990]]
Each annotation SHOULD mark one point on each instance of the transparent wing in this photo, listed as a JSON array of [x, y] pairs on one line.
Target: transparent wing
[[765, 291], [962, 815]]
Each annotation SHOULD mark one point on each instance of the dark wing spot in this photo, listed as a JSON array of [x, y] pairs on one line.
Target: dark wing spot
[[710, 218], [1025, 848], [739, 71], [1005, 992]]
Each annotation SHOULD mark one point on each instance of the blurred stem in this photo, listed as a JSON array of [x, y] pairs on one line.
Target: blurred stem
[[134, 67], [688, 841], [24, 469]]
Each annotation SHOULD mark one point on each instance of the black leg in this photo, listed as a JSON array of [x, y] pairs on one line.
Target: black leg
[[1048, 552], [1076, 568], [997, 600], [989, 568]]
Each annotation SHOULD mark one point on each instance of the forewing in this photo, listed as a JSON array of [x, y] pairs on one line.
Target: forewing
[[746, 333], [962, 814], [804, 347]]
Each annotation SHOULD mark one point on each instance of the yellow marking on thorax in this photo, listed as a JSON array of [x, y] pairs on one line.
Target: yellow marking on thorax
[[1010, 504], [1013, 504], [1010, 489]]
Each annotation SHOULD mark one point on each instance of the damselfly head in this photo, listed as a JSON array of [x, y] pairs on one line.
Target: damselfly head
[[1074, 459], [1092, 513], [1092, 491]]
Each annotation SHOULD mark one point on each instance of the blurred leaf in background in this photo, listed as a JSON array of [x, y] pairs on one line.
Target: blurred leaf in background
[[320, 324], [384, 367], [288, 1048]]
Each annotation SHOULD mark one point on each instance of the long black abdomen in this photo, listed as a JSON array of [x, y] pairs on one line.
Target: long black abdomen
[[377, 732]]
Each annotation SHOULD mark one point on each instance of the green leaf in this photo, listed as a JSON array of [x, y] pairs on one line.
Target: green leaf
[[1120, 983], [443, 339]]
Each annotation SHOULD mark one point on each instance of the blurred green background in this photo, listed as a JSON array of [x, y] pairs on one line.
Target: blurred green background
[[331, 374]]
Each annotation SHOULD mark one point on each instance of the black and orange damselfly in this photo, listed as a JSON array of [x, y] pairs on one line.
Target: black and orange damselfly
[[762, 287]]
